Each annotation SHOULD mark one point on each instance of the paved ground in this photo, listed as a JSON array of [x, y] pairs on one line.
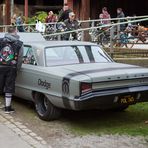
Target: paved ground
[[9, 139], [14, 134]]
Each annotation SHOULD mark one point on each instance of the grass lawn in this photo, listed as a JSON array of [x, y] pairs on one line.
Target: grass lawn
[[130, 122]]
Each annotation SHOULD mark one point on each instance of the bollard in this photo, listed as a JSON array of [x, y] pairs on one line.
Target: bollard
[[112, 31]]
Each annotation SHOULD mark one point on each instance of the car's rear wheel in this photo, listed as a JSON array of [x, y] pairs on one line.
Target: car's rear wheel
[[45, 109]]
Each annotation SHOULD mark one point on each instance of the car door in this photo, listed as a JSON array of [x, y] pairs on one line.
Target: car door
[[26, 80]]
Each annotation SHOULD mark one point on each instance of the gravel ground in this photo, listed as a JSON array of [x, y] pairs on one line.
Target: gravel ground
[[106, 141]]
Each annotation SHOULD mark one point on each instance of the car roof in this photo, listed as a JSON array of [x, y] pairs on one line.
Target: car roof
[[27, 36], [43, 44], [37, 40]]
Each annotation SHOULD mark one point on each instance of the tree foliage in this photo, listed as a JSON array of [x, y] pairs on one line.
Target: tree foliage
[[40, 15]]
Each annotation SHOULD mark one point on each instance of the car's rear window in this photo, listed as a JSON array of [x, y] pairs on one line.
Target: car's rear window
[[74, 55]]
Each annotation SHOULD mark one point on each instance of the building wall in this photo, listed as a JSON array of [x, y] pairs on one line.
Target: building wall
[[129, 7], [84, 9], [81, 8], [34, 6]]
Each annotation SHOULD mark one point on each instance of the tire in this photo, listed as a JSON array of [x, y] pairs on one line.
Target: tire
[[105, 40], [120, 108], [129, 45], [131, 42], [45, 109]]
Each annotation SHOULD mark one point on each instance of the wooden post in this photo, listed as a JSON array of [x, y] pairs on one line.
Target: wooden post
[[7, 13], [85, 9], [85, 15], [12, 7], [26, 10], [70, 4]]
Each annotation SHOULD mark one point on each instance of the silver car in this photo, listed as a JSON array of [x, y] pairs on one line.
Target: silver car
[[76, 75]]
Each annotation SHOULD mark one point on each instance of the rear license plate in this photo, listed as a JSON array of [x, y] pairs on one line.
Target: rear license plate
[[129, 99]]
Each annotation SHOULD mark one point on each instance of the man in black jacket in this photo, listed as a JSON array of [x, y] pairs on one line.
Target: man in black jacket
[[64, 14], [8, 72], [71, 24]]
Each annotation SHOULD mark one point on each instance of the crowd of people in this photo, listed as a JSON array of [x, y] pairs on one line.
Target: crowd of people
[[68, 17], [106, 17]]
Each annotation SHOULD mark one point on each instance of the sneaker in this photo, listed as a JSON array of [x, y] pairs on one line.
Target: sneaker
[[9, 110]]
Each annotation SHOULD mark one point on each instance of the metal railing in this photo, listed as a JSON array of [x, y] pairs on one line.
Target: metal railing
[[97, 27], [112, 28], [91, 26], [117, 53], [31, 27]]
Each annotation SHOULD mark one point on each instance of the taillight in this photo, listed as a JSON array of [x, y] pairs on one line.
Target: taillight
[[85, 87]]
